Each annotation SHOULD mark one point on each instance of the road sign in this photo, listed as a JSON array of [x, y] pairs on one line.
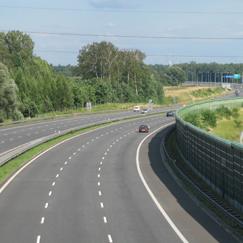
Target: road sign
[[233, 76]]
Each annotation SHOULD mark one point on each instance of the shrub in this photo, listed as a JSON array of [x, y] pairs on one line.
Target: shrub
[[208, 118], [17, 115], [235, 113], [223, 111], [194, 119], [237, 123]]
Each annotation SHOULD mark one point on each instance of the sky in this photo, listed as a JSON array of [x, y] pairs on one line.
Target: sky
[[149, 18]]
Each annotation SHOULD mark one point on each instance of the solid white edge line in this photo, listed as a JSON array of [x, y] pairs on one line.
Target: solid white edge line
[[161, 209]]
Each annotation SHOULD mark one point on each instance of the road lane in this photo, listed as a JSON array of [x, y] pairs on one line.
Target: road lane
[[85, 190], [16, 135], [23, 203]]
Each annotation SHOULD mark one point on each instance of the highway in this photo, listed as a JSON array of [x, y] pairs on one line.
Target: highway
[[17, 135], [89, 190]]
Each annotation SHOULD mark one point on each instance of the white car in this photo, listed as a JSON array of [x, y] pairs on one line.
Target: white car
[[136, 108]]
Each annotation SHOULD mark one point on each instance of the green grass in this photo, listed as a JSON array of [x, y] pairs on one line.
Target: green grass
[[190, 94], [227, 129]]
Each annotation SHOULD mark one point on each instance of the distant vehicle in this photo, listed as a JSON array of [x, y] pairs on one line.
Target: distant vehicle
[[143, 128], [226, 86], [136, 108], [170, 113], [237, 92], [144, 111]]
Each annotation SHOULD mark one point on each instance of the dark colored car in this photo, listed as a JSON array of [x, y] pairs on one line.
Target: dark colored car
[[170, 113], [144, 111], [143, 128]]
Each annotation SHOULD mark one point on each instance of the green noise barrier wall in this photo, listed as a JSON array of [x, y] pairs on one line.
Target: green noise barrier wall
[[218, 161]]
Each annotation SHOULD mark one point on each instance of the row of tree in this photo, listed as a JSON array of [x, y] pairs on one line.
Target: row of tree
[[201, 72], [29, 85]]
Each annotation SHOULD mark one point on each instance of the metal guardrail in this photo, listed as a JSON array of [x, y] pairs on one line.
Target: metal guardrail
[[218, 161]]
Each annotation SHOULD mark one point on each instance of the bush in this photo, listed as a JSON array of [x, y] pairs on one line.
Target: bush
[[208, 118], [223, 111], [237, 123], [194, 119], [17, 115], [235, 113]]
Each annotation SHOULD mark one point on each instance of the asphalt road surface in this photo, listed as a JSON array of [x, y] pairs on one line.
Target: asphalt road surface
[[17, 135], [88, 190]]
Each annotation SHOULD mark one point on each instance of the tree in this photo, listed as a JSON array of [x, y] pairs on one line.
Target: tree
[[8, 93], [20, 48]]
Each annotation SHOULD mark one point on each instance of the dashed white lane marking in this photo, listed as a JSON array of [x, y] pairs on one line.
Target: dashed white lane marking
[[38, 239], [98, 175], [83, 146], [61, 168], [103, 158], [74, 153], [97, 137], [87, 143], [99, 169], [101, 162], [42, 220], [70, 158], [105, 220], [105, 153], [50, 193], [109, 238], [100, 193], [53, 183], [101, 204], [65, 163], [98, 183], [79, 149], [46, 205], [57, 175], [111, 146]]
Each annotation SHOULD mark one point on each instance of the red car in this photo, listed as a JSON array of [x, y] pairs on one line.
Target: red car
[[143, 128]]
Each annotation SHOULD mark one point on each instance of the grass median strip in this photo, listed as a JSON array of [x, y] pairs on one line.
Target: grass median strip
[[13, 165]]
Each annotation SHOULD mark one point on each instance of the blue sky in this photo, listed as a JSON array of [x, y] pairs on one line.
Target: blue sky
[[208, 18]]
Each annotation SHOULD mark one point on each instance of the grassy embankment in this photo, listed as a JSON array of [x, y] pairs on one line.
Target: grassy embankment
[[227, 129], [191, 94]]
